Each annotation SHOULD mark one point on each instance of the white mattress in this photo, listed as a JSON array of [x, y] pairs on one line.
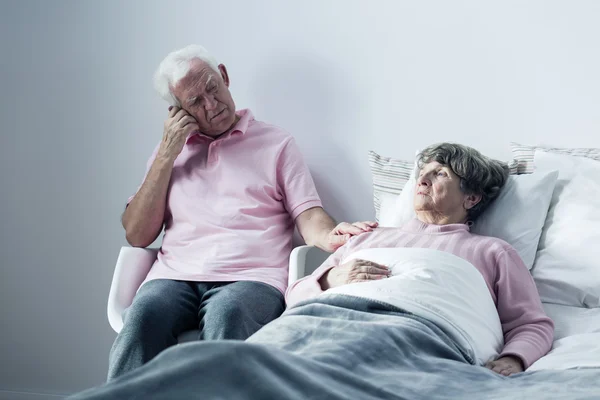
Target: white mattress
[[576, 338]]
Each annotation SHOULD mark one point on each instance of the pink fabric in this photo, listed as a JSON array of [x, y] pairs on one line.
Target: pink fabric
[[231, 206], [528, 332]]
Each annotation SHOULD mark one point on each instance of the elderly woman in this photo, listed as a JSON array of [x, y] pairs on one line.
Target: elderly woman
[[454, 186], [412, 312]]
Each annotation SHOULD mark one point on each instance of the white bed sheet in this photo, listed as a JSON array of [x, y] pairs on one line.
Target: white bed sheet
[[569, 321], [576, 338]]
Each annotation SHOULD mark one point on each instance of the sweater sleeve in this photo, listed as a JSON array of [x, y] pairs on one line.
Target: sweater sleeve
[[528, 331], [309, 286]]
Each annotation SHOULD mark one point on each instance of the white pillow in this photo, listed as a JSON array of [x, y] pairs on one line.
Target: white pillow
[[404, 207], [516, 216], [390, 214], [387, 209], [567, 265]]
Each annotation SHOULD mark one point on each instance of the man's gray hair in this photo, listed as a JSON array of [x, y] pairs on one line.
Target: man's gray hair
[[175, 66], [479, 175]]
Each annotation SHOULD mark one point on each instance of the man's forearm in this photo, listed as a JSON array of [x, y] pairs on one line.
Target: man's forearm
[[316, 227], [144, 217]]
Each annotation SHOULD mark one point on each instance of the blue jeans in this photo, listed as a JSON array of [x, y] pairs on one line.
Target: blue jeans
[[162, 309]]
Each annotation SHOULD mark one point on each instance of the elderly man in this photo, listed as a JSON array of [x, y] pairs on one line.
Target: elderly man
[[228, 190]]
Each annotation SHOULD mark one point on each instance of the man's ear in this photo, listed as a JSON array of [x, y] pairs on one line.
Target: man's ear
[[471, 201], [224, 74]]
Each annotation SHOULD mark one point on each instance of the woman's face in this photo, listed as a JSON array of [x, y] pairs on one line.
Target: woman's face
[[438, 195]]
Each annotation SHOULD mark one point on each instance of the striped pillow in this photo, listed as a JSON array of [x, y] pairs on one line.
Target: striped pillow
[[390, 175], [524, 154]]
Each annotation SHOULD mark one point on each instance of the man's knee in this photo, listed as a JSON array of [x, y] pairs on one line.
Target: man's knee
[[237, 313], [151, 309], [250, 300], [142, 316]]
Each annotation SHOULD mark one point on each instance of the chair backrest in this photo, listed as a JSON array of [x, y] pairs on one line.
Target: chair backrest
[[131, 269], [314, 259], [303, 261]]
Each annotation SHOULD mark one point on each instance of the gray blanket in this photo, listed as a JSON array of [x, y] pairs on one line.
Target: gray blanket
[[339, 347]]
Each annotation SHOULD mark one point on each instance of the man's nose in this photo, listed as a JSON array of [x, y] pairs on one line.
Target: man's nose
[[210, 103]]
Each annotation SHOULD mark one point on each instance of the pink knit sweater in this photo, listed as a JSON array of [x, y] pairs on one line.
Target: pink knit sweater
[[528, 331]]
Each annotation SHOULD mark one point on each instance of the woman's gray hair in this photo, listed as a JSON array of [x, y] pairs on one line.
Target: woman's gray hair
[[175, 66], [479, 175]]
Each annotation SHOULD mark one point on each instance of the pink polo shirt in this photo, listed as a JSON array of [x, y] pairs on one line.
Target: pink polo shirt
[[231, 206]]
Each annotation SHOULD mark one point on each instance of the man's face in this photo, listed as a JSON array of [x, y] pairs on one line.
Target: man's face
[[204, 94]]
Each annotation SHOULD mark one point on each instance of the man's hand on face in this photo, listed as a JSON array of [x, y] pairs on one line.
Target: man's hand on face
[[177, 127], [344, 231]]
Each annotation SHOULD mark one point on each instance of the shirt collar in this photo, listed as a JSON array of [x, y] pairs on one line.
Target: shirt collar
[[239, 128], [415, 225]]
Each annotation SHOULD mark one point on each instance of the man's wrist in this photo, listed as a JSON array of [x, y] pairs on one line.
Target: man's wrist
[[165, 159], [319, 240], [323, 242]]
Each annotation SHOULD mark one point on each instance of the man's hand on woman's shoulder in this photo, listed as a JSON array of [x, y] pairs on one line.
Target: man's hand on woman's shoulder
[[344, 231]]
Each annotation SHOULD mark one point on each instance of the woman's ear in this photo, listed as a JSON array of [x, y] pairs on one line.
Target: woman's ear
[[471, 201]]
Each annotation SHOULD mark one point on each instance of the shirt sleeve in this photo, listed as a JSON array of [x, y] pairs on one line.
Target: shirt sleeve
[[294, 181], [148, 165], [528, 331]]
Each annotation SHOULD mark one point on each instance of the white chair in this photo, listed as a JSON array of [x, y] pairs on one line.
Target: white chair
[[134, 263]]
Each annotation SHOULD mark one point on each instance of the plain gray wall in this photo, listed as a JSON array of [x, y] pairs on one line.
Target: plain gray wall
[[79, 118]]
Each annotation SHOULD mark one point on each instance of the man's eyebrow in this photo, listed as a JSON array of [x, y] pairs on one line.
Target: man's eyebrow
[[201, 77], [198, 82]]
